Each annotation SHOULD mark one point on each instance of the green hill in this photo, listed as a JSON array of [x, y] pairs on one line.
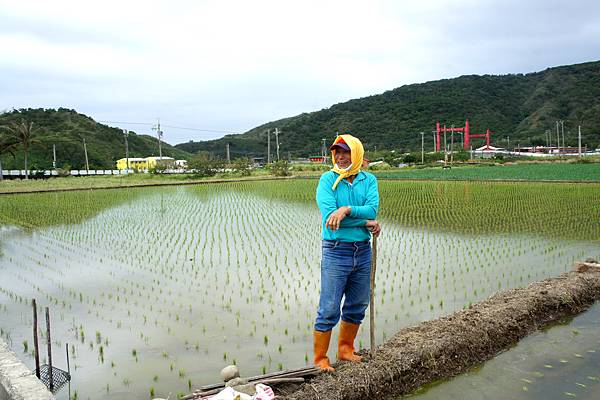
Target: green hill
[[519, 106], [66, 129]]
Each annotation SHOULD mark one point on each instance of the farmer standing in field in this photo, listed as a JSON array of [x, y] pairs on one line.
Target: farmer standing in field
[[348, 200]]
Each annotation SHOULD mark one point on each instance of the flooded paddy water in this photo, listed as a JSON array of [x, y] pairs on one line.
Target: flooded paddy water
[[156, 289]]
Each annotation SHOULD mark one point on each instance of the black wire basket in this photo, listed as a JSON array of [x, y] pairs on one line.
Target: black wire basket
[[59, 377]]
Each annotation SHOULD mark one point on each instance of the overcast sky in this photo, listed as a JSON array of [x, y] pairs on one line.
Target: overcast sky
[[228, 66]]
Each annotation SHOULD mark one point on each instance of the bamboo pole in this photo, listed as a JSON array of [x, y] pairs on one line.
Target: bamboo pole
[[303, 371], [49, 341], [372, 295], [36, 347]]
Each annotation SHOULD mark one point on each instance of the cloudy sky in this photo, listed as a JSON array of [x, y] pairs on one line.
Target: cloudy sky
[[227, 66]]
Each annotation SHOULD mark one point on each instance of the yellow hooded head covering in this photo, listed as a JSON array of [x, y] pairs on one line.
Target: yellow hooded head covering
[[356, 156]]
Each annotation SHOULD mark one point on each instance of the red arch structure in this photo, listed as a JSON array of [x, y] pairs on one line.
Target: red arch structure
[[466, 137]]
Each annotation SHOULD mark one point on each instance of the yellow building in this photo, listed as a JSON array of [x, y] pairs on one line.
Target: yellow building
[[167, 162], [134, 163], [141, 164]]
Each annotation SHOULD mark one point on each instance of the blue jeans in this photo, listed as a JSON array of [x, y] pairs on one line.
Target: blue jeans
[[345, 271]]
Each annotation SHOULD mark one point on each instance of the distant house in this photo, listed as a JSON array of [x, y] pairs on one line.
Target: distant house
[[134, 163], [145, 163], [181, 164], [167, 162], [319, 159]]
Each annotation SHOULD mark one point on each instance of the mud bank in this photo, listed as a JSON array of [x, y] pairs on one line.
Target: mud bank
[[450, 345]]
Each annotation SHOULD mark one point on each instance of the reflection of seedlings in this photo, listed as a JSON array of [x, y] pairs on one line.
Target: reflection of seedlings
[[181, 373], [151, 391], [155, 378], [126, 381], [25, 346]]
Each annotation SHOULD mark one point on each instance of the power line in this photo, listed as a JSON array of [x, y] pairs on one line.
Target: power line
[[169, 126]]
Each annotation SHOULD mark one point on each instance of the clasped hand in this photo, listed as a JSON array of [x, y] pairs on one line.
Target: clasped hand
[[336, 218]]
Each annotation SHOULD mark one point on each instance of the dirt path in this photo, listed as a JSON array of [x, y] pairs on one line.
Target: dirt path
[[450, 345]]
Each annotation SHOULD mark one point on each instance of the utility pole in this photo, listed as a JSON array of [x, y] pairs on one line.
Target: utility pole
[[228, 158], [557, 139], [159, 134], [434, 147], [268, 146], [277, 141], [125, 134], [87, 164], [323, 151], [579, 140], [53, 156], [422, 147], [562, 128]]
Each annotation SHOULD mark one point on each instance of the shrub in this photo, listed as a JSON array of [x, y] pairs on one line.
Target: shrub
[[279, 168], [243, 166], [203, 166]]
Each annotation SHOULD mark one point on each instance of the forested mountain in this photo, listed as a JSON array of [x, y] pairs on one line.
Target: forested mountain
[[67, 129], [519, 106]]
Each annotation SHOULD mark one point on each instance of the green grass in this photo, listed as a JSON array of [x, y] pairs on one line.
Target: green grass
[[521, 172], [109, 181]]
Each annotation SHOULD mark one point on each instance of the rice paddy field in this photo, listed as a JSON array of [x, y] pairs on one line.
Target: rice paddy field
[[154, 290], [548, 171]]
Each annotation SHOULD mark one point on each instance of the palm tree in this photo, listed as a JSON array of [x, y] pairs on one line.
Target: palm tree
[[7, 146], [24, 134]]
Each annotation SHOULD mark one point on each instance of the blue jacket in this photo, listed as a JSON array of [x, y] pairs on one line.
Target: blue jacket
[[361, 195]]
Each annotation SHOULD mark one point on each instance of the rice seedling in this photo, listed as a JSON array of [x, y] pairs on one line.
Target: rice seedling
[[145, 266]]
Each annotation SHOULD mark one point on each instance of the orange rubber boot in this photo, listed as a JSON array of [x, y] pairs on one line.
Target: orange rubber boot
[[348, 333], [321, 345]]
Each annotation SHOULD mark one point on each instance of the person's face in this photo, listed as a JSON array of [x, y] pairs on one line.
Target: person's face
[[342, 158]]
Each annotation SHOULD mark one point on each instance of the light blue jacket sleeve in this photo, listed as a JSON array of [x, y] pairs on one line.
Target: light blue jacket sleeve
[[327, 203], [371, 207]]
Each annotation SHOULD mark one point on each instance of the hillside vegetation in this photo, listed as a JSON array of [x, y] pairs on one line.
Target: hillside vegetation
[[520, 106], [66, 129]]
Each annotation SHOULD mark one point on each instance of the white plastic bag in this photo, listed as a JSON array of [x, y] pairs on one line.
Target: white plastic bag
[[263, 392], [230, 394]]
